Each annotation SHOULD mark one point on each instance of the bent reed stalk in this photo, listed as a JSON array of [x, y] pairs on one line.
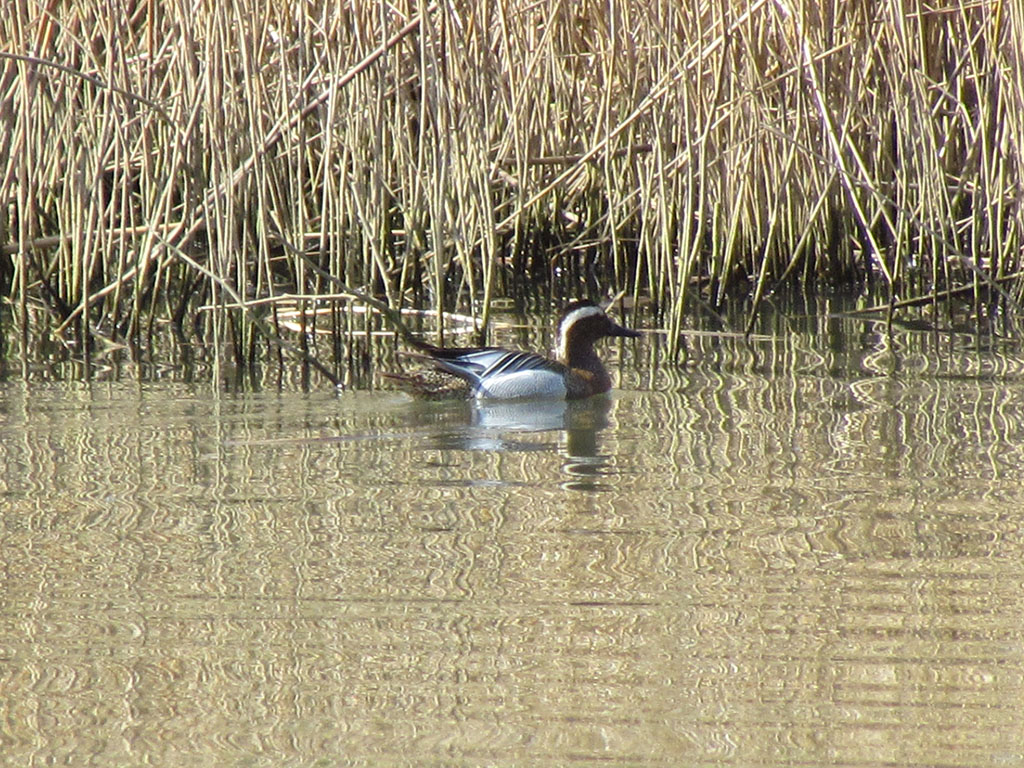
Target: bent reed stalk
[[159, 159]]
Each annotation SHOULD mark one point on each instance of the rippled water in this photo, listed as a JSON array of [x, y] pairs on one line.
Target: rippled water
[[798, 550]]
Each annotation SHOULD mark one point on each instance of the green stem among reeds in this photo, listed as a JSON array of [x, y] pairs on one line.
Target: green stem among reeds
[[166, 158]]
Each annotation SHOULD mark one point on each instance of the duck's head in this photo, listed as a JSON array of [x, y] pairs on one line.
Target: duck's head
[[583, 323]]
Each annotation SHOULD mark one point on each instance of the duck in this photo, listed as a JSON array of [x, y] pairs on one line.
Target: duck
[[496, 373]]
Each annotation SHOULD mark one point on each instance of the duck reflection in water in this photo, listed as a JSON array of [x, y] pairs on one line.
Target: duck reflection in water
[[515, 424]]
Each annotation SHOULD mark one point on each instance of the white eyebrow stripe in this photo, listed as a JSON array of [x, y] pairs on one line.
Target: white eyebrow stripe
[[567, 322]]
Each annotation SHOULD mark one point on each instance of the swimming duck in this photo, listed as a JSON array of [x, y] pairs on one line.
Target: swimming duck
[[504, 374]]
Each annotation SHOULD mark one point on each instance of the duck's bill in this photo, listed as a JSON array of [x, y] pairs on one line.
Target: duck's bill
[[618, 330]]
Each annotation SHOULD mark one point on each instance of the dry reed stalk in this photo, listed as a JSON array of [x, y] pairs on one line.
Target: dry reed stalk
[[174, 157]]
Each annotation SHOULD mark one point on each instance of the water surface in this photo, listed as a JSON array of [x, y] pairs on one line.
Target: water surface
[[799, 550]]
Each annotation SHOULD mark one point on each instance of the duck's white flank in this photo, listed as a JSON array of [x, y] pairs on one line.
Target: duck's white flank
[[567, 322], [525, 384]]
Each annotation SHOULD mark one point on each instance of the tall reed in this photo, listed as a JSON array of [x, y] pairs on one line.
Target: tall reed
[[175, 163]]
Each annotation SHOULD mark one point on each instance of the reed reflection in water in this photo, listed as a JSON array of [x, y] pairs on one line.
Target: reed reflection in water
[[773, 555]]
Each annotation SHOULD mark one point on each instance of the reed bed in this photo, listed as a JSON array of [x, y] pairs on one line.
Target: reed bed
[[196, 165]]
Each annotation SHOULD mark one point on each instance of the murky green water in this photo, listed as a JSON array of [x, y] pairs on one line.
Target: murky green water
[[805, 550]]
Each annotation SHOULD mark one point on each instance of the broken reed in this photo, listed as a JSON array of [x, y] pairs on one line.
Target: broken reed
[[176, 163]]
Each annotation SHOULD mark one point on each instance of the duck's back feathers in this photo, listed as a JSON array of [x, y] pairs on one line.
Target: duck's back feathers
[[492, 372]]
